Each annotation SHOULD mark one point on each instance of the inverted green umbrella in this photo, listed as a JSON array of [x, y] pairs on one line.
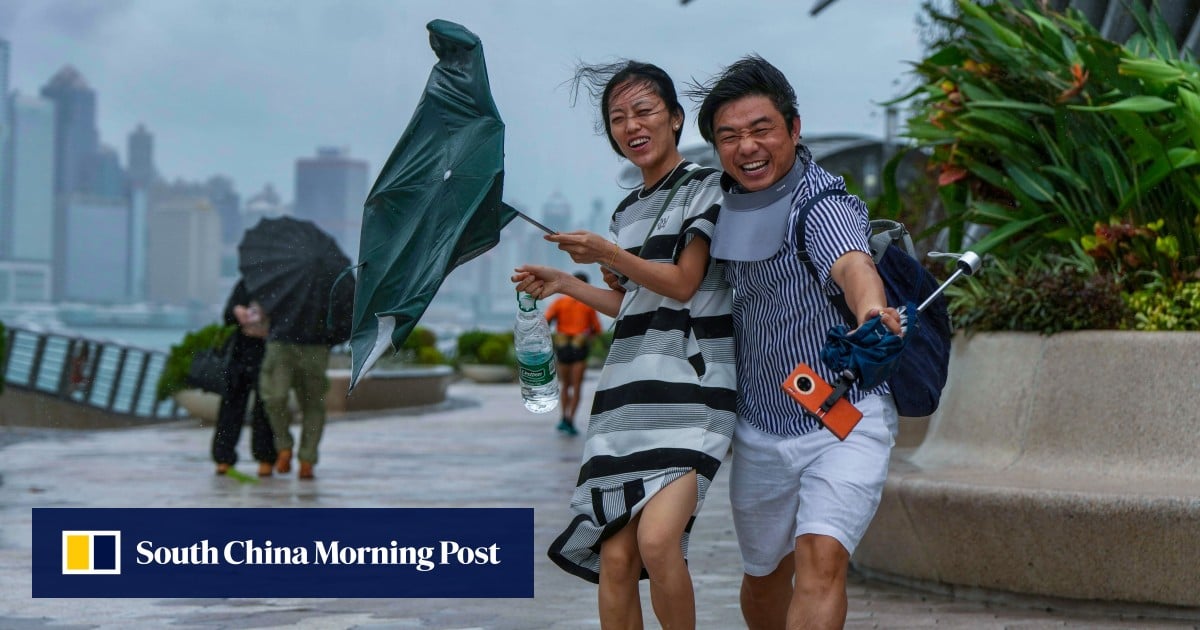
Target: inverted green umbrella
[[436, 203]]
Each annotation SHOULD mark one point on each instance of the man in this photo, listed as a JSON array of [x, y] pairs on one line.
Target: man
[[296, 358], [575, 324], [801, 498]]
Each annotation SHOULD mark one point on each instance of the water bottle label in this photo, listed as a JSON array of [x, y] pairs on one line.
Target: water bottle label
[[537, 374]]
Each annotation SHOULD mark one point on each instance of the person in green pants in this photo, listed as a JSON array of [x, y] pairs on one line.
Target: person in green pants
[[299, 366]]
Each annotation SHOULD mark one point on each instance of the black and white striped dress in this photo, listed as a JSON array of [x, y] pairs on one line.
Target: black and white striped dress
[[666, 400]]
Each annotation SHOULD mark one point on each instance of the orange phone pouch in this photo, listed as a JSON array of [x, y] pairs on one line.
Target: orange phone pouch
[[811, 390]]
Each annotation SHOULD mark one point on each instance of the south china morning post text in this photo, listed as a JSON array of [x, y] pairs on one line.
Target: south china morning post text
[[239, 552], [283, 552]]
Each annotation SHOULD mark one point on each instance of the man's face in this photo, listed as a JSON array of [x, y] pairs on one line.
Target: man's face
[[753, 140]]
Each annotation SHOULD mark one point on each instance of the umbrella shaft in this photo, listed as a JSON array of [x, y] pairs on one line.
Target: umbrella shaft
[[933, 296]]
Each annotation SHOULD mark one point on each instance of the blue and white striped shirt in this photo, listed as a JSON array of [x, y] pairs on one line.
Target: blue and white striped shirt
[[781, 314]]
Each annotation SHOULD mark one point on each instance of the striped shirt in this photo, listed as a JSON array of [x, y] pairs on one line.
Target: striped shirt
[[781, 314]]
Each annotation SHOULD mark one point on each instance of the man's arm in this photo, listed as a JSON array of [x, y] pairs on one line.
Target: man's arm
[[855, 273]]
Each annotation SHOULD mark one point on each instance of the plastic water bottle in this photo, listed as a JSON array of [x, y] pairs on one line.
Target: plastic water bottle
[[535, 357]]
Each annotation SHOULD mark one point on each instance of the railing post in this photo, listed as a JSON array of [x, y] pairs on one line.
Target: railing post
[[11, 340], [64, 376], [90, 377], [35, 365], [141, 381], [116, 386]]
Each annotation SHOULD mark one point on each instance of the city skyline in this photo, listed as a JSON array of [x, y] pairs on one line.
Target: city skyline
[[223, 95]]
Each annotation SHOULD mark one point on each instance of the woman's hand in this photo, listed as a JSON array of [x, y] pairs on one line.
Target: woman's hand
[[584, 247], [611, 280], [539, 281]]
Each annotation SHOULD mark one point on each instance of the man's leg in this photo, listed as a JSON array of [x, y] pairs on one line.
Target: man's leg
[[819, 598], [765, 598], [310, 384], [274, 379]]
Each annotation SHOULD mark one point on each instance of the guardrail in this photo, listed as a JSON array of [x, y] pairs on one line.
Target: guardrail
[[103, 375]]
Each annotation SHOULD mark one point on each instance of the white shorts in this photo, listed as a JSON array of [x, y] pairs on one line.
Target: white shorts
[[783, 487]]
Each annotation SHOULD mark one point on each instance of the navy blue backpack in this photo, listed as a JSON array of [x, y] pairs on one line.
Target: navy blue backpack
[[921, 372]]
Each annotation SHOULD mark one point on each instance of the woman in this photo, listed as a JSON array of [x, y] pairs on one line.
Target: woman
[[663, 412], [241, 380]]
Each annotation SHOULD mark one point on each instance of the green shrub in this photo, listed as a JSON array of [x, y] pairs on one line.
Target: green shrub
[[488, 348], [420, 337], [179, 358], [1045, 295], [1165, 307], [469, 342], [429, 355]]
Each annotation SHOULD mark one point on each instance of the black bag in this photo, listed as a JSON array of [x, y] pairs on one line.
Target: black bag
[[210, 368], [924, 365]]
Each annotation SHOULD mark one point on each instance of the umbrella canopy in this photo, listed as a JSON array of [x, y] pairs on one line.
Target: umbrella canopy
[[870, 351], [289, 266], [437, 201]]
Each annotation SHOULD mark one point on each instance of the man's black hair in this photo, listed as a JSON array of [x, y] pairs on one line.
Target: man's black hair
[[599, 80], [749, 76]]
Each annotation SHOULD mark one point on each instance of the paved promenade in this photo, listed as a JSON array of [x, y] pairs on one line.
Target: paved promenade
[[480, 449]]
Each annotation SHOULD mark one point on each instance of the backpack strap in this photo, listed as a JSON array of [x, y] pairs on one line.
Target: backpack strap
[[839, 300]]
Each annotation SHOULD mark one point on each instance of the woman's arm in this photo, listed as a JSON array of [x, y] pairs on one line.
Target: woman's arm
[[677, 281], [542, 282]]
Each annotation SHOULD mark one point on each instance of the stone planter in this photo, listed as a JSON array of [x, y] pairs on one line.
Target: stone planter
[[388, 389], [199, 404], [481, 373], [1063, 466]]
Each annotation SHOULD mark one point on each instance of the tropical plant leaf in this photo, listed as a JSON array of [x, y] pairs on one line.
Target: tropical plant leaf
[[1138, 104]]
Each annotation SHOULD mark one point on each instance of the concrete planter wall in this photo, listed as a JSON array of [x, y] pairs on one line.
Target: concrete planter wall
[[1064, 466]]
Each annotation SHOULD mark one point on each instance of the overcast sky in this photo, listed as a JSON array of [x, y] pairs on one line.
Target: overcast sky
[[244, 87]]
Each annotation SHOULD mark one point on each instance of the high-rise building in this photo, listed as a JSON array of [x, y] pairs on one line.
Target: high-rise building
[[228, 204], [556, 215], [76, 140], [5, 154], [183, 252], [95, 250], [330, 191], [265, 204], [142, 172], [31, 216]]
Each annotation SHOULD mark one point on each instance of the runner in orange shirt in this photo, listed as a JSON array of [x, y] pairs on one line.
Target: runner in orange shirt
[[575, 323]]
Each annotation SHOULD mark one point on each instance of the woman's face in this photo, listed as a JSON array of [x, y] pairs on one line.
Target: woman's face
[[641, 125]]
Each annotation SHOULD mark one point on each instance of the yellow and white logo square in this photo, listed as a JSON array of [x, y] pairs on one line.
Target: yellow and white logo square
[[91, 552]]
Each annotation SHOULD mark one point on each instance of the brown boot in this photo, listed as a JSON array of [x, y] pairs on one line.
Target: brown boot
[[306, 470], [222, 469], [264, 469], [283, 463]]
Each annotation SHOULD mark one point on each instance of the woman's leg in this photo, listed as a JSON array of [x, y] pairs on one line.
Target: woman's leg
[[572, 386], [230, 417], [620, 569], [660, 535]]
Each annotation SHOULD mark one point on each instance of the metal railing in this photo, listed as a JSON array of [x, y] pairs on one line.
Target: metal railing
[[103, 375]]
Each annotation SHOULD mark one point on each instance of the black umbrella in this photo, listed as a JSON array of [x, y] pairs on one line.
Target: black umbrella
[[289, 266]]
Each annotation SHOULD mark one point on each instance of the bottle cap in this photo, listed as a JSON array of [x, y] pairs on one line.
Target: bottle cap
[[526, 302]]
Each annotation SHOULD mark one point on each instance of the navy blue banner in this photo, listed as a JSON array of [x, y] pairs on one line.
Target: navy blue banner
[[278, 552]]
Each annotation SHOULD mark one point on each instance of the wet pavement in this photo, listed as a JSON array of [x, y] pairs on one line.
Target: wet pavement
[[479, 449]]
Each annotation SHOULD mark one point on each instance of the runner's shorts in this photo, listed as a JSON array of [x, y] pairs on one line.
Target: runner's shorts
[[784, 487]]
